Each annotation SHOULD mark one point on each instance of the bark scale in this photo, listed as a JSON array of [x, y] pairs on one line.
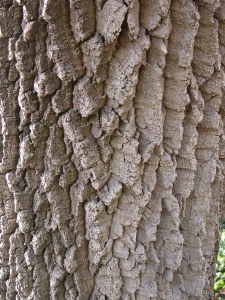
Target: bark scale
[[113, 148]]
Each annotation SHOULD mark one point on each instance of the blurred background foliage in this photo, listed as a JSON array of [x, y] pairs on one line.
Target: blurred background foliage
[[219, 286]]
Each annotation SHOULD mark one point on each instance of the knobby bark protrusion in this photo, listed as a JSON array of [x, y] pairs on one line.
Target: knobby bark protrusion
[[111, 148]]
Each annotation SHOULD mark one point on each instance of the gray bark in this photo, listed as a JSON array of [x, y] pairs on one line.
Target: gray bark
[[113, 148]]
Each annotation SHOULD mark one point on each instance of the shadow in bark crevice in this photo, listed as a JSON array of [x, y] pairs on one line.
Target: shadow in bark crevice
[[1, 139]]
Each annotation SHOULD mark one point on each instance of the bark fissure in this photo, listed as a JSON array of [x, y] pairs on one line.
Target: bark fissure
[[112, 161]]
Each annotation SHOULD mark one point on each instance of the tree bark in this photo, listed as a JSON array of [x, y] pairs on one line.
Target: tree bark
[[113, 148]]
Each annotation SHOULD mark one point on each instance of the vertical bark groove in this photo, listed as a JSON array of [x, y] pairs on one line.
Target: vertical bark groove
[[112, 162]]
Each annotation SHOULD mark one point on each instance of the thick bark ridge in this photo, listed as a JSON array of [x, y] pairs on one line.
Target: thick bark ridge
[[112, 148]]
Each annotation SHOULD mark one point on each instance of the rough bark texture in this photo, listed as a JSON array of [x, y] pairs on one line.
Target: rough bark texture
[[113, 148]]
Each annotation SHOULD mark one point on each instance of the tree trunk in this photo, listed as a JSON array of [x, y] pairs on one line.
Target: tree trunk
[[113, 148]]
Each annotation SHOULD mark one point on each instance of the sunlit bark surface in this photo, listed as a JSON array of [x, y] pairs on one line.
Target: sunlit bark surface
[[113, 149]]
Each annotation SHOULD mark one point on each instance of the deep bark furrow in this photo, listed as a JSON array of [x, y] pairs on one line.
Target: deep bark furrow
[[112, 161]]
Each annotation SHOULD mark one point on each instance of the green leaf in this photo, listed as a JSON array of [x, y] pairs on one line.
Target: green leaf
[[219, 285]]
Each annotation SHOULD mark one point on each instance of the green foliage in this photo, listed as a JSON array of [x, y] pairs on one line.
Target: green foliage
[[220, 263]]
